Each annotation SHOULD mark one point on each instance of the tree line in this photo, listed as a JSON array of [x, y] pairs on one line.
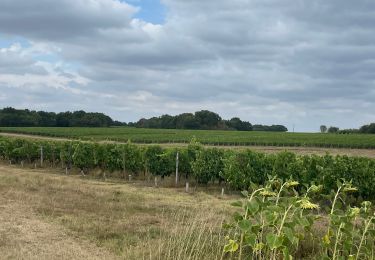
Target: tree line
[[24, 118], [365, 129], [203, 120]]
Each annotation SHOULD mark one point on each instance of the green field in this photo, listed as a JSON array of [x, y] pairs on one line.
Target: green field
[[235, 138]]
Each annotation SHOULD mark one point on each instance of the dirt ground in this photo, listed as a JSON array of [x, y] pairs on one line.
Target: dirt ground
[[370, 153], [45, 214], [23, 235], [26, 235]]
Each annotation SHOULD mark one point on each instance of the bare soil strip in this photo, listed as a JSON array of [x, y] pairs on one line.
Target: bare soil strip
[[370, 153]]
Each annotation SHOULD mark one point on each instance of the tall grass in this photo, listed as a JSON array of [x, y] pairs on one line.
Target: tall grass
[[188, 234]]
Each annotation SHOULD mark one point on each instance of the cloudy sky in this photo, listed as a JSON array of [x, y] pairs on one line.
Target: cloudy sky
[[291, 62]]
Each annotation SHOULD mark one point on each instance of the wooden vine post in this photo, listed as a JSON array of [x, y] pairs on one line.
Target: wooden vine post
[[41, 156], [177, 161]]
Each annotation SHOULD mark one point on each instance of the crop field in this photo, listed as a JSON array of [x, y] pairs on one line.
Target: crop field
[[232, 138]]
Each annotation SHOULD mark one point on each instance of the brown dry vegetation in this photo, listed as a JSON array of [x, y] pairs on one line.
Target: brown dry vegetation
[[370, 153], [46, 215]]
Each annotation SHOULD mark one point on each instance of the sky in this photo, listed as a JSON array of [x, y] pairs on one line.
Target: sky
[[299, 63]]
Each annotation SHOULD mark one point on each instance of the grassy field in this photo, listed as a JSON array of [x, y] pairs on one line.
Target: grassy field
[[46, 215], [235, 138]]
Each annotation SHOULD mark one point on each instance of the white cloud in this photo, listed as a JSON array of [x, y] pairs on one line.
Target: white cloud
[[303, 62]]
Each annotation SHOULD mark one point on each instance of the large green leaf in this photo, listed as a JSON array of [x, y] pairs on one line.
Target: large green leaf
[[274, 241], [253, 207], [250, 239], [290, 234], [245, 225]]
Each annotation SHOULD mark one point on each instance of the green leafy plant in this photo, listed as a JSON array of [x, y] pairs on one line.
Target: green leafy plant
[[276, 221], [158, 161], [208, 165], [83, 156], [350, 232], [273, 221]]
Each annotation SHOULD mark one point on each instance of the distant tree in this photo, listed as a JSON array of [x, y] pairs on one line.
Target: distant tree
[[187, 121], [240, 125], [167, 122], [368, 129], [47, 118], [323, 129], [272, 128], [207, 119], [18, 117], [349, 131], [278, 128], [118, 123], [154, 122], [333, 129], [62, 119], [142, 123]]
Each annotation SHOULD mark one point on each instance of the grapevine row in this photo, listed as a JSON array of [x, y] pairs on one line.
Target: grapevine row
[[216, 138], [237, 169]]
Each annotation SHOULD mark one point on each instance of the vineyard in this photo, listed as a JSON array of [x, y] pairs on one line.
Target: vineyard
[[212, 137], [235, 169], [295, 207]]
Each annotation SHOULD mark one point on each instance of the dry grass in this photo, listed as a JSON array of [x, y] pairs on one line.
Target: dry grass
[[23, 235], [49, 216]]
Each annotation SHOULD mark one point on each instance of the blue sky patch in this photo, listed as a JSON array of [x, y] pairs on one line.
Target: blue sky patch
[[151, 11], [50, 58], [6, 42]]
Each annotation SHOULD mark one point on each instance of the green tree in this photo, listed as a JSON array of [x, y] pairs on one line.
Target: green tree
[[238, 124], [333, 129], [368, 129], [187, 121], [207, 119]]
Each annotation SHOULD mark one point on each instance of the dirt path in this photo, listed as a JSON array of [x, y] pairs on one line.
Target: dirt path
[[267, 149], [24, 235]]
